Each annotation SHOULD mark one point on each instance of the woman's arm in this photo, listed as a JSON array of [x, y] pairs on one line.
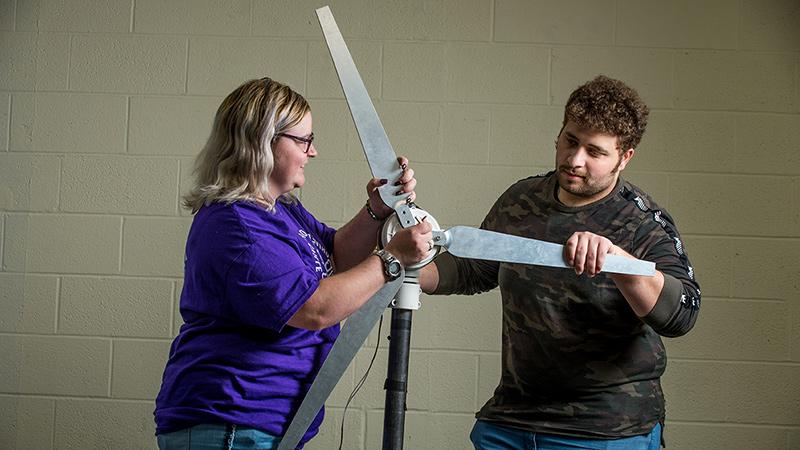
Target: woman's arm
[[342, 294]]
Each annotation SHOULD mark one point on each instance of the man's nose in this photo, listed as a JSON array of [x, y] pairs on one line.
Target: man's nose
[[577, 157]]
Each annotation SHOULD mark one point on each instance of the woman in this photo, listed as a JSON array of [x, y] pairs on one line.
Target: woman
[[265, 283]]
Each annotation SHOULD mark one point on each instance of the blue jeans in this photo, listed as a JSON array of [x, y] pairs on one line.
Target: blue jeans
[[217, 437], [489, 436]]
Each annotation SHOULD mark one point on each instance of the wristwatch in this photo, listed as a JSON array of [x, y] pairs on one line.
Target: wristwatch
[[391, 266]]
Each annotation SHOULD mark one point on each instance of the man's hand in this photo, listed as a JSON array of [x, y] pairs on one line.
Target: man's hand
[[586, 252]]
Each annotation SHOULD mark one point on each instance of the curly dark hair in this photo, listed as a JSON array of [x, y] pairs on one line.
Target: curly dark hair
[[609, 106]]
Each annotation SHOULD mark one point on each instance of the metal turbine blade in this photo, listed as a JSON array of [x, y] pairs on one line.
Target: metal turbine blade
[[468, 242], [377, 148], [353, 334]]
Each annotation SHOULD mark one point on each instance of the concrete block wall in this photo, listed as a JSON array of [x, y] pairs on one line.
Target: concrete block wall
[[103, 105]]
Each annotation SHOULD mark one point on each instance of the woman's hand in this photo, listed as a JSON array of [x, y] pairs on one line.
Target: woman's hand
[[411, 245], [405, 185]]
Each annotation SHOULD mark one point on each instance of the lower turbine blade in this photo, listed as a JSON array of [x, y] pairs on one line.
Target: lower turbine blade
[[475, 243], [354, 333]]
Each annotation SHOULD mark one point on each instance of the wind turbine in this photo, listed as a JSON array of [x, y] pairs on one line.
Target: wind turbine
[[403, 293]]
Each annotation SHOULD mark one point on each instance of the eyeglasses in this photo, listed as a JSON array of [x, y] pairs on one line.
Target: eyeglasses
[[306, 141]]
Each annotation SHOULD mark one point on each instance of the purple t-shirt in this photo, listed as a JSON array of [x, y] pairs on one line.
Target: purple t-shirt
[[247, 272]]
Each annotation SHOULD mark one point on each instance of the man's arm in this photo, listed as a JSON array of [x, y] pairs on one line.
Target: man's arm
[[669, 301]]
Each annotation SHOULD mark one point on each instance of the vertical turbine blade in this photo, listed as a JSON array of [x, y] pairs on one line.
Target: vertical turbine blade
[[377, 148]]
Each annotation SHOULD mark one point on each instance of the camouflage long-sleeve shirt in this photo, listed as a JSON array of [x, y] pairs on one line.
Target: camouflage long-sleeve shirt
[[576, 360]]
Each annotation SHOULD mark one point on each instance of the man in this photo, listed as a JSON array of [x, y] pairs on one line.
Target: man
[[582, 353]]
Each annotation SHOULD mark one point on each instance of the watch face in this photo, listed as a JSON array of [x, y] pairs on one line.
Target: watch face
[[394, 269]]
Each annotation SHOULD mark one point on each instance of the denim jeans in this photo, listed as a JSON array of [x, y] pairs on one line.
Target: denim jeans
[[489, 436], [217, 437]]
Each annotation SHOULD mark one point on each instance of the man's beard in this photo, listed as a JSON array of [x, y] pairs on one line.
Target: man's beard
[[590, 186]]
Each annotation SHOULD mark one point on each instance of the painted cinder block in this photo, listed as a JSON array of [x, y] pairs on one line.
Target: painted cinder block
[[767, 144], [461, 194], [552, 21], [170, 125], [334, 190], [489, 369], [137, 367], [656, 185], [29, 362], [62, 243], [425, 430], [717, 203], [647, 70], [5, 120], [154, 245], [29, 182], [219, 65], [457, 20], [414, 71], [414, 129], [7, 16], [462, 20], [794, 327], [453, 380], [75, 123], [797, 87], [470, 323], [330, 432], [26, 423], [297, 19], [712, 261], [192, 17], [465, 134], [128, 64], [770, 25], [177, 319], [126, 185], [323, 82], [186, 183], [524, 135], [794, 438], [687, 141], [28, 303], [714, 436], [733, 329], [681, 24], [84, 16], [2, 242], [740, 392], [123, 425], [509, 73], [728, 80], [335, 136], [115, 307], [31, 61], [766, 268], [372, 395]]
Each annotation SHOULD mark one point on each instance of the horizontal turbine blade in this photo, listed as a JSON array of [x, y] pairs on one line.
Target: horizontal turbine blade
[[353, 334], [474, 243]]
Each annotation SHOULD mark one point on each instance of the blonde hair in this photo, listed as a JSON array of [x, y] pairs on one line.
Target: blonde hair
[[237, 160]]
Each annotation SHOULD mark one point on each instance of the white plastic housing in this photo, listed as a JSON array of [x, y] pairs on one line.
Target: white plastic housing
[[392, 226]]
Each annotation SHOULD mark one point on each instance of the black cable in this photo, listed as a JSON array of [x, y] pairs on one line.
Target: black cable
[[359, 384]]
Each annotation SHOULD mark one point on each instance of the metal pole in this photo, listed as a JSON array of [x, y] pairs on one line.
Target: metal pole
[[397, 380]]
